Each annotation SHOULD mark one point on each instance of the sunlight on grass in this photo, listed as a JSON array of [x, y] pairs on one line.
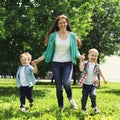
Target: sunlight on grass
[[45, 103]]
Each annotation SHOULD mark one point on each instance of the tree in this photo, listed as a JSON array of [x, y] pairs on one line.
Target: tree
[[106, 26], [24, 23]]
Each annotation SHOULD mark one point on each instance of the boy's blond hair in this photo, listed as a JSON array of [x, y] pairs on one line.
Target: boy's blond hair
[[93, 50], [26, 54]]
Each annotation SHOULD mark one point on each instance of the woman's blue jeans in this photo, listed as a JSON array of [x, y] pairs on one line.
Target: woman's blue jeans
[[62, 72]]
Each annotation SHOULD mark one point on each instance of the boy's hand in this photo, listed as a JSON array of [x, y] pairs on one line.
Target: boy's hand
[[82, 57], [34, 62], [105, 81], [80, 84]]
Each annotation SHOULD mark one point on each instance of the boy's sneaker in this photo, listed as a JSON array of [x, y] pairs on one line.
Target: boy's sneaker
[[84, 111], [61, 108], [22, 109], [73, 104], [31, 104], [96, 110]]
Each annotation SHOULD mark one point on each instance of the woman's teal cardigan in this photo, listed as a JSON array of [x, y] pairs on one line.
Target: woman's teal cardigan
[[48, 54]]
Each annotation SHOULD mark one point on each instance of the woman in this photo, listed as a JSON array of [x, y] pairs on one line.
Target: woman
[[62, 52]]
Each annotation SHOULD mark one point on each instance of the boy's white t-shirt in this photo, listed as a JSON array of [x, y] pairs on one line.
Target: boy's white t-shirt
[[62, 50], [22, 77], [90, 79]]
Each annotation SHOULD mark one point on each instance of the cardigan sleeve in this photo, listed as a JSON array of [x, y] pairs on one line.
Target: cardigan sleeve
[[78, 54], [49, 47], [48, 54], [74, 50]]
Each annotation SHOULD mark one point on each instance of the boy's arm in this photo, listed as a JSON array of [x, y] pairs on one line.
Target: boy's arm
[[81, 68], [35, 68], [81, 65], [100, 73]]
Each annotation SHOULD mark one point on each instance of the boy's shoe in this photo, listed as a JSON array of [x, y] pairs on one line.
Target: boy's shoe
[[96, 110], [73, 104], [84, 111], [31, 104], [61, 108], [22, 109]]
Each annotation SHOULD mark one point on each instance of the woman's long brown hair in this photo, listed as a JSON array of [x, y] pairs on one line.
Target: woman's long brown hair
[[56, 28]]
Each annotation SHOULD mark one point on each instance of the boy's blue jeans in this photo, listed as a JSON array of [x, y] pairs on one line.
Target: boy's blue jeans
[[62, 73], [88, 90]]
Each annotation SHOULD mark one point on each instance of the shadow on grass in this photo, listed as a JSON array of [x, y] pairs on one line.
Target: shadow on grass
[[77, 87], [9, 91], [112, 91], [44, 83]]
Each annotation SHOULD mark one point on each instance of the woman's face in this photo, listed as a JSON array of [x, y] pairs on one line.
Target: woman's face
[[62, 24]]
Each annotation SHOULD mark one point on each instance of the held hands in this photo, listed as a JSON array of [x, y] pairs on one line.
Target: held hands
[[34, 62]]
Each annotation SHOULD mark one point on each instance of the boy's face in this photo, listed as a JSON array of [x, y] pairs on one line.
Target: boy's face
[[24, 60], [92, 56]]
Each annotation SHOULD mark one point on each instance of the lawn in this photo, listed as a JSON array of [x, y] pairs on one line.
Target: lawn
[[45, 103]]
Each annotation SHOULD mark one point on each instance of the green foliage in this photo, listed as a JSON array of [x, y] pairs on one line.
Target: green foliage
[[24, 24], [45, 103], [105, 22]]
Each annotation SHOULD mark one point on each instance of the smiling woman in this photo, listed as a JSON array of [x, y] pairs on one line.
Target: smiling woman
[[111, 68], [62, 52]]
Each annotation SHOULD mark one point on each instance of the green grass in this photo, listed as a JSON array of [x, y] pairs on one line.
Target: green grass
[[45, 107]]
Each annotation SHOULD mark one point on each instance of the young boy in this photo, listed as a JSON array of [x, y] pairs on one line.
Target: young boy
[[89, 79], [25, 79]]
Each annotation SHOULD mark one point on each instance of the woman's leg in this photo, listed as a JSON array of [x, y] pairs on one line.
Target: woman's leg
[[67, 76], [57, 73]]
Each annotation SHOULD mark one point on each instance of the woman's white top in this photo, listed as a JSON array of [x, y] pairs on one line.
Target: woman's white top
[[62, 50]]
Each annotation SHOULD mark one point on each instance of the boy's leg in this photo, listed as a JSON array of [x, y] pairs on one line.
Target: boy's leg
[[22, 97], [93, 96], [29, 92], [85, 93], [93, 99]]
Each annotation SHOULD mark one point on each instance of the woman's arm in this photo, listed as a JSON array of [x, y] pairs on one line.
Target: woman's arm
[[41, 58], [36, 61]]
